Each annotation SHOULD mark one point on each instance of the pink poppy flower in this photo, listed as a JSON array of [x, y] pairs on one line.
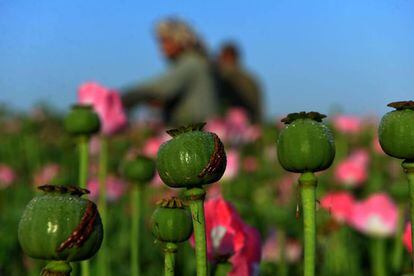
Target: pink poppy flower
[[152, 145], [360, 156], [339, 204], [407, 238], [235, 128], [238, 128], [350, 173], [353, 170], [377, 215], [229, 237], [347, 124], [250, 164], [237, 117], [107, 103], [95, 145], [7, 176], [213, 191], [246, 261], [46, 174], [285, 188], [217, 126], [233, 166], [293, 251], [115, 188], [271, 251]]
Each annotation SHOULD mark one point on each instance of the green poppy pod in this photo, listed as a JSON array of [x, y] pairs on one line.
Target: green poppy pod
[[305, 144], [396, 131], [192, 158], [82, 120], [141, 169], [60, 225], [171, 222]]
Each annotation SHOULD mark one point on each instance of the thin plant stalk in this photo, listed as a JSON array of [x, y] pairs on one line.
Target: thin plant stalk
[[83, 178], [102, 175], [196, 201], [308, 182], [83, 161], [135, 229], [409, 171], [397, 255], [378, 260], [281, 240], [169, 258]]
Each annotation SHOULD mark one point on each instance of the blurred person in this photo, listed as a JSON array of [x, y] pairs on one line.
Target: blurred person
[[237, 87], [187, 91]]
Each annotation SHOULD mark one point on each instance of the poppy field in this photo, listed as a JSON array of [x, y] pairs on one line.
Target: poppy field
[[245, 213]]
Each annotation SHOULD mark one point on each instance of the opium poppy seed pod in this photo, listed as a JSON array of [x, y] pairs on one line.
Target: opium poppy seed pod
[[305, 144], [82, 120], [141, 169], [396, 137], [396, 130], [60, 226], [192, 158], [171, 223]]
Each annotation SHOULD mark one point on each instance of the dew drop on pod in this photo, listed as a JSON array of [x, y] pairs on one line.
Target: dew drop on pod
[[396, 137], [82, 120], [191, 159], [61, 227], [306, 146], [171, 223]]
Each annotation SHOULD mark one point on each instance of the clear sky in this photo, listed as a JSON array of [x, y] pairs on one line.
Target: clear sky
[[309, 55]]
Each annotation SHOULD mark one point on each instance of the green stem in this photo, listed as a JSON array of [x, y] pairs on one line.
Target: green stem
[[102, 174], [378, 257], [308, 182], [83, 178], [281, 240], [169, 261], [56, 268], [135, 229], [196, 200], [397, 254], [409, 171], [83, 161]]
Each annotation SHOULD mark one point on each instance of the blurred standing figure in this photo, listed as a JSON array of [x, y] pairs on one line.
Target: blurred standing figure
[[187, 91], [237, 87]]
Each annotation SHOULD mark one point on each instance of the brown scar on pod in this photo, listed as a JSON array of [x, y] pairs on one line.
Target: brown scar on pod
[[215, 159], [82, 232]]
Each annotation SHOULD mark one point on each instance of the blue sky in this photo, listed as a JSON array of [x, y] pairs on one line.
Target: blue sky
[[309, 55]]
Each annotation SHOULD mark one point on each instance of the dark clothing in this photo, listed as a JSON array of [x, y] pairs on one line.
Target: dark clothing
[[239, 89]]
